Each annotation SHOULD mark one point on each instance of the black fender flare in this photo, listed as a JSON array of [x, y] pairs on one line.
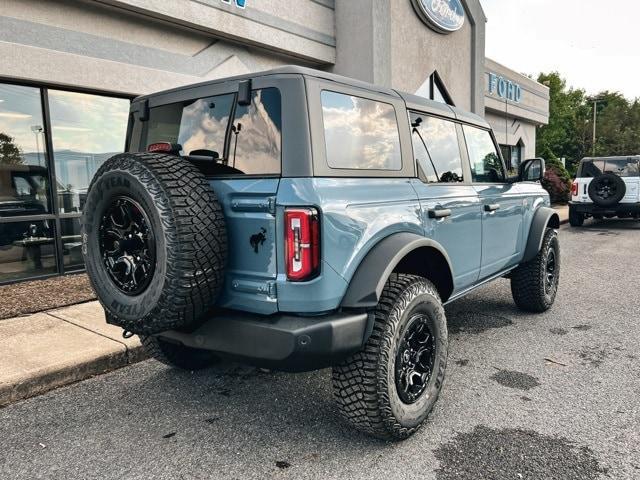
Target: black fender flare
[[371, 275], [543, 218]]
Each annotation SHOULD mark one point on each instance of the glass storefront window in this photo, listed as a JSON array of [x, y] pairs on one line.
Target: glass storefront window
[[86, 130], [71, 244], [27, 249], [24, 188]]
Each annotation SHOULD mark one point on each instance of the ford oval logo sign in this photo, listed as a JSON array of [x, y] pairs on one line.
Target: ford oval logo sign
[[444, 16]]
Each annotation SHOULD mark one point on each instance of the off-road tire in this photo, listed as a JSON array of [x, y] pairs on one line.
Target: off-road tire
[[528, 280], [189, 236], [179, 356], [364, 384], [575, 219], [612, 178]]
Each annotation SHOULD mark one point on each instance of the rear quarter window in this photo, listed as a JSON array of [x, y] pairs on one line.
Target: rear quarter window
[[360, 133]]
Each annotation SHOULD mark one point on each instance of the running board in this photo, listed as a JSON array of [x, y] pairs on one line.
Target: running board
[[480, 284]]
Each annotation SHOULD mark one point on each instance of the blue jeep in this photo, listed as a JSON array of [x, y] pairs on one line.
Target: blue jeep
[[295, 220]]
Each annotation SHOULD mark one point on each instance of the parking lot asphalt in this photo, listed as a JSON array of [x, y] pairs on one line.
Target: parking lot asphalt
[[552, 396]]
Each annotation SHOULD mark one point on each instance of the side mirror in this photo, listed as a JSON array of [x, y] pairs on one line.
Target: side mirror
[[531, 170]]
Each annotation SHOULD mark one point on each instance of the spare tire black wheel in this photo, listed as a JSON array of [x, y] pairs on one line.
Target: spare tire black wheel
[[607, 190], [154, 242]]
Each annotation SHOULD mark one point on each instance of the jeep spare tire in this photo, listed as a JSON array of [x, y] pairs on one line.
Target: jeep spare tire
[[607, 190], [154, 242]]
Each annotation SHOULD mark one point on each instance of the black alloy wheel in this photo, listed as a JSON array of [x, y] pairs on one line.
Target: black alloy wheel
[[415, 359], [550, 272], [127, 245]]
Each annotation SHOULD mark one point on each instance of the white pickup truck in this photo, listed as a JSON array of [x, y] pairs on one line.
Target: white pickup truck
[[605, 187]]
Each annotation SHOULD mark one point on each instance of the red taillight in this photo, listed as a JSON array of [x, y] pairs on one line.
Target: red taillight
[[302, 234], [164, 147], [574, 189]]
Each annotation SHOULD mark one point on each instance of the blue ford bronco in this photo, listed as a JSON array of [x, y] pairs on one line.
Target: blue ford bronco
[[296, 220]]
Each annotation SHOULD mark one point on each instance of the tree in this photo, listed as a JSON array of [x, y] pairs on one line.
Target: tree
[[564, 136], [10, 153]]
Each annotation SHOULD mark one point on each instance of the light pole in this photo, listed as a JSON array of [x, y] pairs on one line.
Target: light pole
[[595, 120], [37, 130]]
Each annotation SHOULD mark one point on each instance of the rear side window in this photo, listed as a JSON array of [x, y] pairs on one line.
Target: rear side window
[[486, 166], [435, 144], [360, 133], [251, 144]]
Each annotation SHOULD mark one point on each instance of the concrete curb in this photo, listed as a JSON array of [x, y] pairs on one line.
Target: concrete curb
[[48, 350]]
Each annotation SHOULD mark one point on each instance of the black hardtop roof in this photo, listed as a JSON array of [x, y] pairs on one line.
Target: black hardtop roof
[[413, 102], [618, 157]]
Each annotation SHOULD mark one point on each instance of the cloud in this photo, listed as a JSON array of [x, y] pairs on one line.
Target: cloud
[[366, 131]]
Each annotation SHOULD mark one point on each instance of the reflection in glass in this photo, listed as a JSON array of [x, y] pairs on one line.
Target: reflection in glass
[[71, 243], [26, 249], [435, 143], [622, 167], [360, 133], [256, 134], [486, 166], [86, 131], [24, 188], [197, 125]]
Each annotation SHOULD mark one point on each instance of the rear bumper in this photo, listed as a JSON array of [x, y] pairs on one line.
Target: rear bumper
[[593, 209], [282, 342]]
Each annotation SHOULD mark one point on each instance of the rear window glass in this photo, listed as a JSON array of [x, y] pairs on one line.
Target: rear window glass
[[624, 167], [250, 144], [360, 133], [256, 134]]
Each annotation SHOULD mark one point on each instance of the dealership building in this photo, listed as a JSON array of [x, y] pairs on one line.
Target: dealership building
[[70, 68]]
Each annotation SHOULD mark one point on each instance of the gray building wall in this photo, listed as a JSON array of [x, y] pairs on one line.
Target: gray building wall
[[385, 42], [141, 46], [515, 122]]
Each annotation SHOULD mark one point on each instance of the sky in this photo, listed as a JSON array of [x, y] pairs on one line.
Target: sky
[[594, 44]]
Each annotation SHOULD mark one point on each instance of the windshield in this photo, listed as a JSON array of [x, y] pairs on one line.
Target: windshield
[[623, 167]]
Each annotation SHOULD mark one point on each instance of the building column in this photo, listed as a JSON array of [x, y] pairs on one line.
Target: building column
[[363, 40]]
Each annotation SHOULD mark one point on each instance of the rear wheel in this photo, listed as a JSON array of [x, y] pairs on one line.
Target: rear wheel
[[575, 219], [534, 284], [176, 355], [389, 388]]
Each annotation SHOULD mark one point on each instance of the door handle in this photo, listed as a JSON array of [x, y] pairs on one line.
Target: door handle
[[491, 207], [439, 213]]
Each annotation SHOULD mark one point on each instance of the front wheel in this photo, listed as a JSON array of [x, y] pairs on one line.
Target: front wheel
[[534, 284], [389, 388]]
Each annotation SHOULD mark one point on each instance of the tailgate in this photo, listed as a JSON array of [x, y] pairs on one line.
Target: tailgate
[[249, 211]]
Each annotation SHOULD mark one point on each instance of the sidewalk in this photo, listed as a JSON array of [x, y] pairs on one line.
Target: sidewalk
[[47, 350], [563, 212]]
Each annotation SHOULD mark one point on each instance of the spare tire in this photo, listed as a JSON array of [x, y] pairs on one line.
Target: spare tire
[[607, 190], [154, 242]]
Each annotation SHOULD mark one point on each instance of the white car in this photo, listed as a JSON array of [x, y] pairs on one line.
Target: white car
[[605, 187]]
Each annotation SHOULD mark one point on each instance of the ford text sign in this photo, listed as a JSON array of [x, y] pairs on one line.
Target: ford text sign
[[444, 16], [505, 88]]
